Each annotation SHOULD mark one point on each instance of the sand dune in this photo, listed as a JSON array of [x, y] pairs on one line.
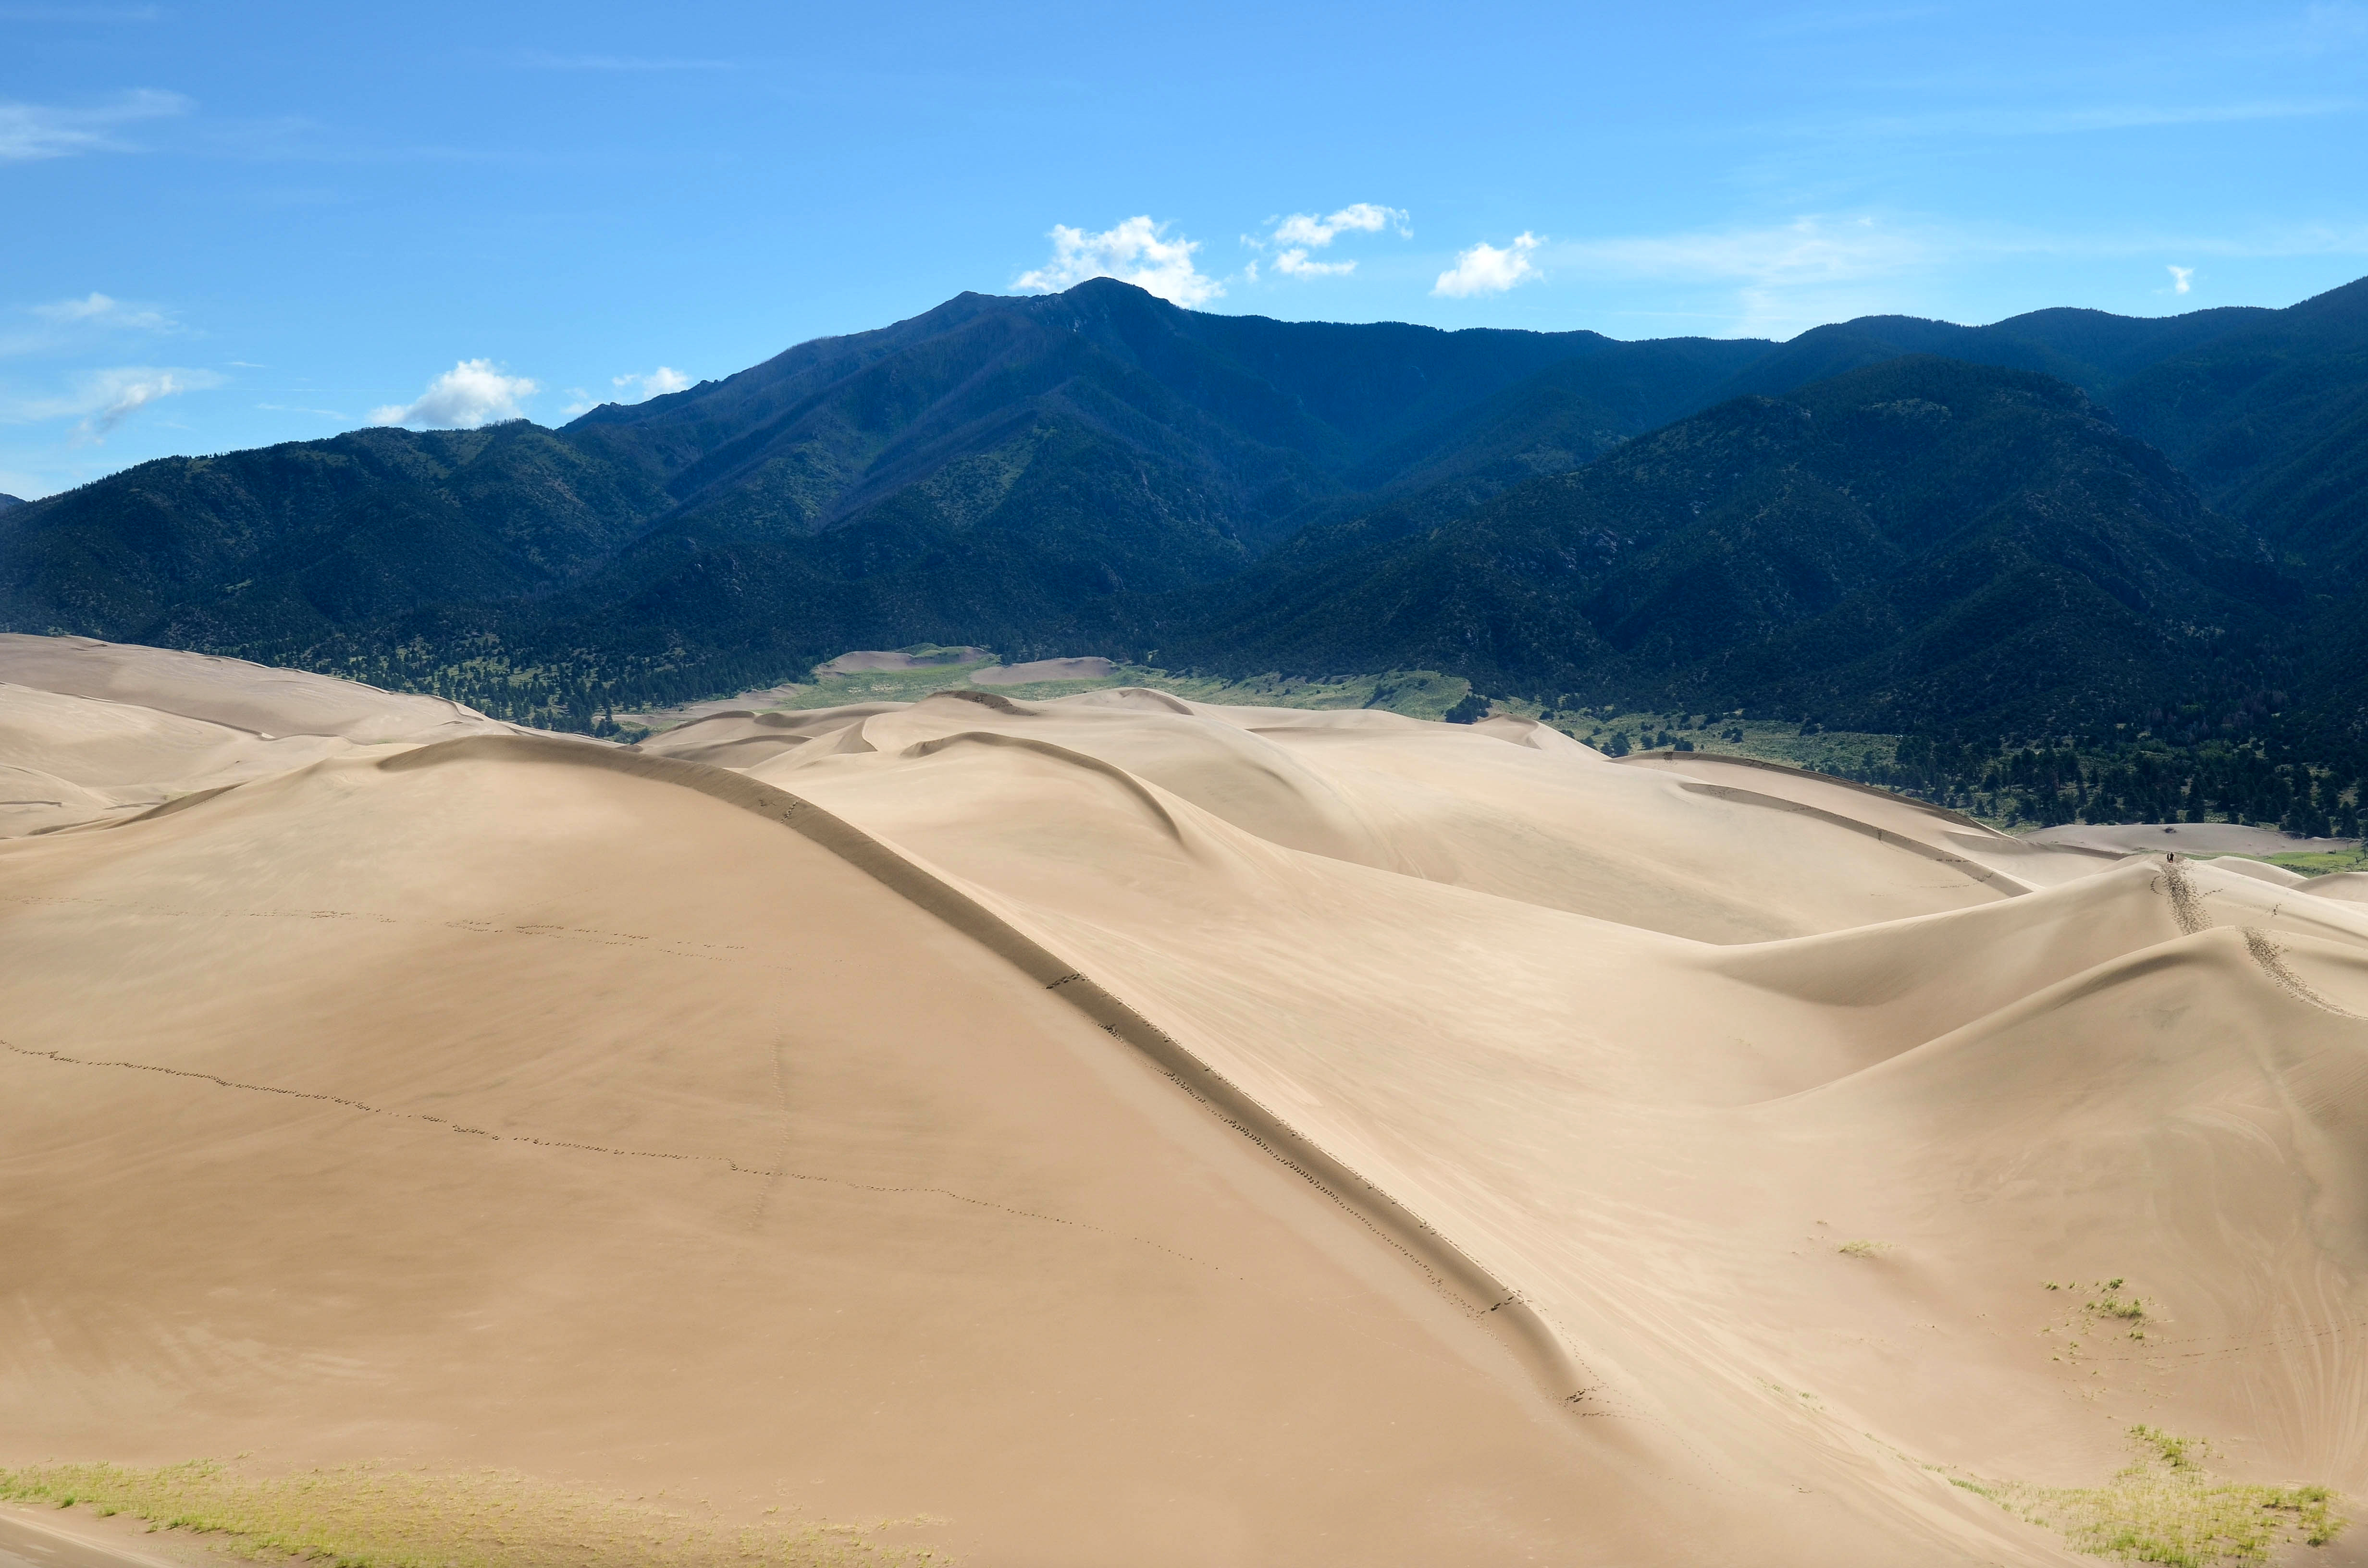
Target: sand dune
[[94, 729], [879, 659], [1127, 1130]]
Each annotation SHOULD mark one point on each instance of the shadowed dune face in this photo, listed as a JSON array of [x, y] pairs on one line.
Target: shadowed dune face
[[1104, 1125]]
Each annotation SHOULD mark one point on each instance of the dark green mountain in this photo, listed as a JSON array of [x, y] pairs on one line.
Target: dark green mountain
[[283, 548], [2093, 350], [988, 469], [1922, 536], [1256, 419], [2265, 411], [2270, 420], [1892, 522]]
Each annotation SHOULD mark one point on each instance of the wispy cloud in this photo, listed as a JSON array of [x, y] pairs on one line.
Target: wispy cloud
[[29, 132], [2306, 239], [473, 393], [1784, 275], [1136, 251], [63, 325], [1807, 249], [1304, 232], [97, 310], [1358, 217], [1488, 269], [103, 398], [292, 408], [1776, 278], [128, 391], [2057, 120]]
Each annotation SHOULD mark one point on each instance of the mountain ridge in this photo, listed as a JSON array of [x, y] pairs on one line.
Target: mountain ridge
[[1103, 471], [1695, 564]]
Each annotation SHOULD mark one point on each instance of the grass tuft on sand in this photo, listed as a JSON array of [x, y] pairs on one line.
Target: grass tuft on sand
[[2166, 1508], [380, 1517]]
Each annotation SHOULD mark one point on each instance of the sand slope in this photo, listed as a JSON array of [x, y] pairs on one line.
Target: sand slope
[[91, 729], [548, 1117], [1106, 1124]]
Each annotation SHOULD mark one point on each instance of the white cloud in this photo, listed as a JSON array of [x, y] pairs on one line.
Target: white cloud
[[657, 383], [1486, 269], [97, 310], [128, 390], [1786, 275], [138, 390], [44, 131], [1293, 263], [2181, 277], [471, 393], [1359, 217], [1137, 251], [1807, 250], [1304, 232]]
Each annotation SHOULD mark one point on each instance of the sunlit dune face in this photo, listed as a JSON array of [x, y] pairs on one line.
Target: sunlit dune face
[[1127, 1130]]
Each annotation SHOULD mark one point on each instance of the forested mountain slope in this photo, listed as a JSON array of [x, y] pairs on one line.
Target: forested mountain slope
[[282, 547], [990, 464], [1841, 525], [1917, 538]]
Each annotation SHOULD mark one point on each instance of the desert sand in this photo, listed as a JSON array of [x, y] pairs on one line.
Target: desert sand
[[892, 659], [1123, 1131], [2186, 839], [98, 729]]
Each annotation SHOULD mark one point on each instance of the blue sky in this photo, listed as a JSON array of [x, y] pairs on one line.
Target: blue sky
[[235, 224]]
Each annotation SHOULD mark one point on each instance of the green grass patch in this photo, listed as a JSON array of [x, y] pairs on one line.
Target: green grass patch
[[2166, 1507], [1418, 694], [879, 685], [1846, 754], [383, 1517]]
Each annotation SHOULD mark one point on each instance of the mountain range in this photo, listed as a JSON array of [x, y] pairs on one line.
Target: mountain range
[[2048, 526]]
